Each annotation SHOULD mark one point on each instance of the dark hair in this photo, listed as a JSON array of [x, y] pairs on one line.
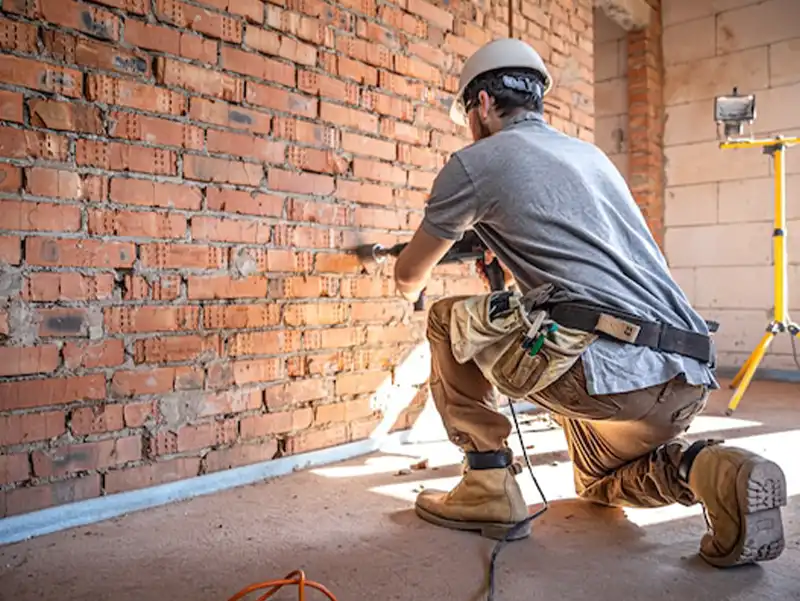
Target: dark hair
[[511, 89]]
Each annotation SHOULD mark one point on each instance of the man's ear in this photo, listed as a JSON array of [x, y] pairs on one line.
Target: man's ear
[[485, 104]]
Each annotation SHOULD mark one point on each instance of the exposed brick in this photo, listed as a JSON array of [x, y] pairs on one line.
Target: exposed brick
[[126, 157], [131, 94], [252, 64], [81, 17], [120, 320], [11, 106], [311, 440], [91, 355], [138, 414], [16, 35], [68, 286], [198, 19], [168, 349], [96, 420], [230, 230], [45, 251], [319, 161], [348, 117], [306, 132], [63, 322], [259, 426], [154, 130], [26, 499], [245, 145], [239, 455], [431, 13], [40, 216], [11, 249], [306, 28], [44, 392], [402, 86], [19, 361], [40, 76], [145, 381], [14, 468], [236, 201], [179, 256], [280, 100], [136, 224], [110, 58], [327, 87], [152, 37], [258, 370], [58, 183], [299, 183], [31, 427], [209, 434], [408, 133], [198, 79], [160, 472], [224, 157], [209, 169], [21, 144], [10, 178], [357, 71], [241, 317], [101, 454], [217, 287], [218, 112], [155, 194], [317, 212], [378, 171]]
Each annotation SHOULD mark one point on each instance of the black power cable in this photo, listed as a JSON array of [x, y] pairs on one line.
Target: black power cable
[[521, 524]]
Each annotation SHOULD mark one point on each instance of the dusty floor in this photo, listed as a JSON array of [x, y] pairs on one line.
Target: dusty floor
[[351, 527]]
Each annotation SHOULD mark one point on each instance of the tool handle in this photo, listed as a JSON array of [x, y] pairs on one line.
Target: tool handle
[[419, 305]]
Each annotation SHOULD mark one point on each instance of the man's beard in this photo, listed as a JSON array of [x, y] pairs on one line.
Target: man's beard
[[483, 130]]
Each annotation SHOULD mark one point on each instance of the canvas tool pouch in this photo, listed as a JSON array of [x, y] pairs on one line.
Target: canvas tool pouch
[[492, 330]]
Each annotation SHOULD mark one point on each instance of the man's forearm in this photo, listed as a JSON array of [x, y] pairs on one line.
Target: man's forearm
[[409, 290]]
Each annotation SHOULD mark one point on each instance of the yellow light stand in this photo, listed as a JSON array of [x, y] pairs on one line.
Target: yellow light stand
[[776, 148]]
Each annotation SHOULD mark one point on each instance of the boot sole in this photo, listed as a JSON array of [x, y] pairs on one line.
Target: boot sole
[[492, 530], [761, 492]]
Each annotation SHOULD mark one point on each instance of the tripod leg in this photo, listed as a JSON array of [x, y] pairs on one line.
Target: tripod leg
[[749, 369], [743, 369]]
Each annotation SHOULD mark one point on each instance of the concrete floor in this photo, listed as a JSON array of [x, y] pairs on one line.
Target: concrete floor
[[351, 528]]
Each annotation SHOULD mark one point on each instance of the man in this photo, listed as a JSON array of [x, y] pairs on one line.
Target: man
[[582, 340]]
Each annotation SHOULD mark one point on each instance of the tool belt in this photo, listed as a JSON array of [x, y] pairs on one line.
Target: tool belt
[[626, 328]]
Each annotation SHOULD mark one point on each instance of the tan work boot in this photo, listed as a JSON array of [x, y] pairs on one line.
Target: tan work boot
[[742, 494], [488, 500]]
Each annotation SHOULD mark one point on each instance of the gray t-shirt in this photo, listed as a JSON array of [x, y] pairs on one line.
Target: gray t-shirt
[[555, 209]]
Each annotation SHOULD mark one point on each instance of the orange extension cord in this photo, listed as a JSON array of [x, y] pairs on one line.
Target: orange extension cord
[[297, 577]]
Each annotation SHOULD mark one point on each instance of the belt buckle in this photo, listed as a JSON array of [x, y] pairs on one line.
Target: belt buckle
[[618, 328]]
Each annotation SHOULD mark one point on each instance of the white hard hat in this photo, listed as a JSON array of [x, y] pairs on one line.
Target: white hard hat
[[497, 54]]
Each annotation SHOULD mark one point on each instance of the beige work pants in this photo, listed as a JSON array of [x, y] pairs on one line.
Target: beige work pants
[[625, 448]]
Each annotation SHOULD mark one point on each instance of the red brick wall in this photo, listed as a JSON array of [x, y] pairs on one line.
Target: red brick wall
[[645, 70], [180, 182]]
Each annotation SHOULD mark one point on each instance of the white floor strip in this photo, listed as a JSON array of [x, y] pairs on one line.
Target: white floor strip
[[47, 521]]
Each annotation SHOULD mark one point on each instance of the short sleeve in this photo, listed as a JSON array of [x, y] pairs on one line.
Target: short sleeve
[[453, 206]]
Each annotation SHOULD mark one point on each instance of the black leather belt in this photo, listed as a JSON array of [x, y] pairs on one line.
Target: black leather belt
[[628, 329]]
